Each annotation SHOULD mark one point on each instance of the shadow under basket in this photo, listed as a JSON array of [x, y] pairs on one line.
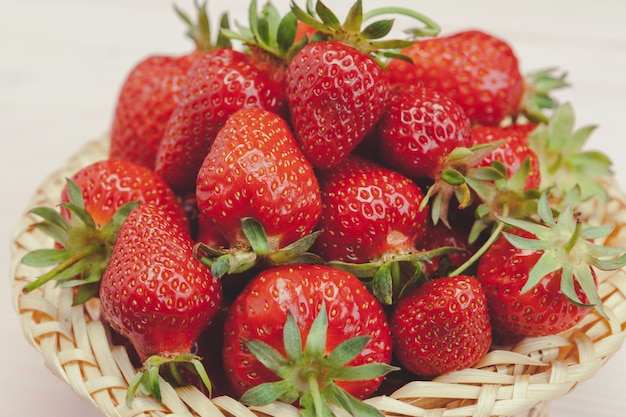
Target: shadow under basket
[[521, 381]]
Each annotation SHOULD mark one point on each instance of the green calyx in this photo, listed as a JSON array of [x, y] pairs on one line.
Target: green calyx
[[200, 31], [502, 196], [369, 40], [537, 98], [563, 162], [148, 379], [567, 246], [309, 374], [85, 250], [389, 277], [459, 174], [228, 261], [269, 32]]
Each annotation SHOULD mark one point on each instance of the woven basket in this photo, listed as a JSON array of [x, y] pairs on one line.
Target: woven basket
[[76, 345]]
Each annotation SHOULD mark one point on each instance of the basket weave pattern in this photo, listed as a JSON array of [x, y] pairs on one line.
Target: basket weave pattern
[[519, 382]]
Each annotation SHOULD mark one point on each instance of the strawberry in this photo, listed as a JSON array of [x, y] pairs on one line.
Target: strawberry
[[336, 94], [150, 93], [370, 222], [218, 84], [540, 278], [368, 212], [417, 136], [481, 73], [419, 128], [157, 295], [306, 317], [256, 171], [109, 184], [477, 70], [94, 204], [335, 87], [441, 326]]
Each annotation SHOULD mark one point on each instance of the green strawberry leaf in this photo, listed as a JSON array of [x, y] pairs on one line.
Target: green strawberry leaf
[[45, 257], [266, 393]]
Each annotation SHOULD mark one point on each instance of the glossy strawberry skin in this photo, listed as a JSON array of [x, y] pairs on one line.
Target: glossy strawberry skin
[[217, 85], [512, 152], [441, 326], [336, 94], [419, 128], [144, 105], [367, 212], [154, 292], [109, 184], [477, 70], [259, 313], [544, 310], [256, 169]]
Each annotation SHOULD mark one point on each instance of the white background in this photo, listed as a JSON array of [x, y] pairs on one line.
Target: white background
[[62, 63]]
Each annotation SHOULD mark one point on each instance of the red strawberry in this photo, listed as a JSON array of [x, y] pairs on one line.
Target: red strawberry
[[368, 212], [145, 103], [306, 313], [477, 70], [539, 277], [441, 326], [370, 221], [156, 294], [424, 135], [219, 83], [109, 184], [419, 129], [255, 169], [504, 270], [93, 206], [150, 94], [514, 149], [336, 95]]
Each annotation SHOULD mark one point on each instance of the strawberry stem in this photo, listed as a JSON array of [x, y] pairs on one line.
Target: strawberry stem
[[50, 275], [569, 245], [481, 251], [431, 29], [318, 402]]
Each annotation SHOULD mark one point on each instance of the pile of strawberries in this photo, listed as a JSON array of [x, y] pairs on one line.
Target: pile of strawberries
[[323, 208]]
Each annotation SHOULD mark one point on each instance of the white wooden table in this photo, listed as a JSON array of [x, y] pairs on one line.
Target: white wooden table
[[62, 63]]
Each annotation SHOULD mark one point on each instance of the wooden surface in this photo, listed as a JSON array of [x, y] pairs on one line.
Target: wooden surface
[[62, 63]]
